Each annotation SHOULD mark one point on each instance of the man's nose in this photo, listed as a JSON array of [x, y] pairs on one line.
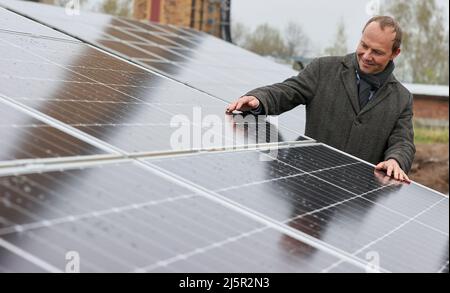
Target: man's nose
[[366, 55]]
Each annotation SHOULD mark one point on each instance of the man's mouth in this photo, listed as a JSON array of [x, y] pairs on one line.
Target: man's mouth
[[366, 64]]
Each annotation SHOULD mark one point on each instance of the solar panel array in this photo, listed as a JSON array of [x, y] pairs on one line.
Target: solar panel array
[[193, 58], [88, 163]]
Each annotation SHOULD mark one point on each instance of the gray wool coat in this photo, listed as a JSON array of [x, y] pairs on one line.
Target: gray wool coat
[[382, 130]]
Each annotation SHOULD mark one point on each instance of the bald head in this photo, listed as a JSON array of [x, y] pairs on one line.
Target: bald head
[[387, 22], [380, 44]]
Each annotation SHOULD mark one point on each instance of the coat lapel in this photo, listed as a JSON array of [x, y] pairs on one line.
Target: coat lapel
[[348, 77], [382, 94]]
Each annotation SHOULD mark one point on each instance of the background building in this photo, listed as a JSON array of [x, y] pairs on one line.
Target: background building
[[210, 16]]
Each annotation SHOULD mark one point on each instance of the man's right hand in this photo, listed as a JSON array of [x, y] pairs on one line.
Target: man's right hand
[[245, 103]]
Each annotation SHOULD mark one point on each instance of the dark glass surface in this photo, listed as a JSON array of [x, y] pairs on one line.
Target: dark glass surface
[[24, 137], [313, 159], [165, 53], [207, 63], [119, 103], [152, 38], [129, 51], [122, 218], [331, 197]]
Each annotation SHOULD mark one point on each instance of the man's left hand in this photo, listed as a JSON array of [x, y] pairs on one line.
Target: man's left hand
[[393, 169]]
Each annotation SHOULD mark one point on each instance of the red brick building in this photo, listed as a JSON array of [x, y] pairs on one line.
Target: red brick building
[[430, 102], [210, 16]]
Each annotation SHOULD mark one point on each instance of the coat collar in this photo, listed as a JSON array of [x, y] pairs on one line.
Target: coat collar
[[348, 77], [347, 61]]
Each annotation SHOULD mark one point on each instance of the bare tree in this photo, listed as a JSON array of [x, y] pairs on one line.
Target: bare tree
[[425, 45], [339, 47], [266, 41], [240, 33], [296, 40]]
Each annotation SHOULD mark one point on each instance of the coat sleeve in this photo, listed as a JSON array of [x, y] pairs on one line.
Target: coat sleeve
[[298, 90], [401, 141]]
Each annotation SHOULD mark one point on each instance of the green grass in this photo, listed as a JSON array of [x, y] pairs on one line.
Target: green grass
[[430, 134]]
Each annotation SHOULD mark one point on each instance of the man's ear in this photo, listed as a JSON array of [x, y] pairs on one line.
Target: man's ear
[[395, 54]]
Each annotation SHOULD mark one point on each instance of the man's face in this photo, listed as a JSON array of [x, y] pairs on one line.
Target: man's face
[[375, 48]]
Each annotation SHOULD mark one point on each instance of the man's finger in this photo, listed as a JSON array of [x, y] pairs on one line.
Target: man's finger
[[231, 107], [390, 168], [253, 103], [239, 105], [401, 176], [407, 179], [380, 166], [396, 173]]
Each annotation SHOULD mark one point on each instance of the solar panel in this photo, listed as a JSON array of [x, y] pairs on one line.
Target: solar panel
[[123, 218], [144, 207], [116, 102], [196, 59], [331, 197]]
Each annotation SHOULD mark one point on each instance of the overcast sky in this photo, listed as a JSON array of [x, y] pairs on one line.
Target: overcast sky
[[318, 18]]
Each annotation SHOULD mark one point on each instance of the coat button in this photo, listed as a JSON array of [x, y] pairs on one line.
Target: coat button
[[357, 122]]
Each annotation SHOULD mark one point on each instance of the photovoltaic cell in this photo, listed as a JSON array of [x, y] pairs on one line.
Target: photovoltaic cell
[[24, 137], [134, 40], [334, 198], [196, 59], [117, 102], [122, 218], [428, 254]]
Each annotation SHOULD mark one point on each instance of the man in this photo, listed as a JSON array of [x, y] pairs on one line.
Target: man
[[353, 103]]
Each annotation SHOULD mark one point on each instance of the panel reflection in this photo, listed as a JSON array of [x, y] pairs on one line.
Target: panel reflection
[[122, 218], [197, 59], [124, 106], [23, 137], [331, 197]]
